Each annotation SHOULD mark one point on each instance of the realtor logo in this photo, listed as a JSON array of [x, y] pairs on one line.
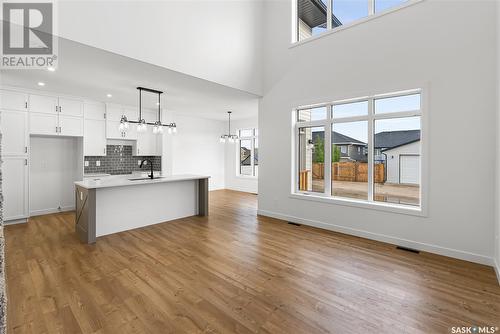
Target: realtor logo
[[28, 39]]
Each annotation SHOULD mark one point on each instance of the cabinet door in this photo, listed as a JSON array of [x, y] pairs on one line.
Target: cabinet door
[[114, 112], [43, 104], [146, 142], [70, 126], [112, 130], [70, 107], [13, 100], [15, 187], [43, 124], [131, 134], [94, 138], [94, 111], [14, 128]]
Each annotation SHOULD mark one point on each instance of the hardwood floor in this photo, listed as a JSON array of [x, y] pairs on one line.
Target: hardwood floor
[[234, 272]]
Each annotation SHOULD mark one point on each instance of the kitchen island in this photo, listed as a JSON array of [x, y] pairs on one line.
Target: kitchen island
[[111, 204]]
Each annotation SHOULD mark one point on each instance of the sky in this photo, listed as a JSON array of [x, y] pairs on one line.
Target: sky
[[351, 10], [359, 130]]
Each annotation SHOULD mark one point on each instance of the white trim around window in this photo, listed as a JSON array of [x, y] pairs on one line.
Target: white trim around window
[[326, 196], [253, 138], [330, 30]]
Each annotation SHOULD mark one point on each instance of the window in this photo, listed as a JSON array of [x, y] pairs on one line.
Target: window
[[373, 146], [248, 164], [312, 14]]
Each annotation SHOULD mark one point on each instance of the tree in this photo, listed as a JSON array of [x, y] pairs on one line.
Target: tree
[[319, 150], [335, 153]]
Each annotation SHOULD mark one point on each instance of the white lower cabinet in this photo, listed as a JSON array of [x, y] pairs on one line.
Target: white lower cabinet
[[15, 187], [94, 138]]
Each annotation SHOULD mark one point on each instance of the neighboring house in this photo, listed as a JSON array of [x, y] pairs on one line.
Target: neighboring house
[[400, 151], [245, 156], [312, 15], [350, 149]]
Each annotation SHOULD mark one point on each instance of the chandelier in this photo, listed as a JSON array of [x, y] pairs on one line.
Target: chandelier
[[229, 137], [141, 122]]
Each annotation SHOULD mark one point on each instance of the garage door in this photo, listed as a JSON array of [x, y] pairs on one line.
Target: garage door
[[409, 169]]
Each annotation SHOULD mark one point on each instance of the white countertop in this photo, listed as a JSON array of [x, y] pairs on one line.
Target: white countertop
[[124, 180]]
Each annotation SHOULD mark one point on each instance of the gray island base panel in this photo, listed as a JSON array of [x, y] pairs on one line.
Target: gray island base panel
[[115, 204]]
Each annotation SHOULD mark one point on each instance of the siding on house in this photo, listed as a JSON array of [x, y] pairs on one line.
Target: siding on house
[[393, 159]]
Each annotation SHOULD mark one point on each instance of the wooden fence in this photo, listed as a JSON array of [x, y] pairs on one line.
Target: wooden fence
[[349, 171]]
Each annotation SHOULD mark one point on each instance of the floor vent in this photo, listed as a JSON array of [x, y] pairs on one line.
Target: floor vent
[[406, 249], [294, 224]]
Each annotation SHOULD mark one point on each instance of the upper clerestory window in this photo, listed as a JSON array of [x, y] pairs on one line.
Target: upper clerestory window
[[312, 14]]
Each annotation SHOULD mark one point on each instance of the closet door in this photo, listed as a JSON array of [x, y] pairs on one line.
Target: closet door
[[15, 187]]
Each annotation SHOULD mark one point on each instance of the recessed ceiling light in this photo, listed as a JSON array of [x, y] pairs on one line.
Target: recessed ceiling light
[[157, 103], [41, 84], [51, 69], [109, 95]]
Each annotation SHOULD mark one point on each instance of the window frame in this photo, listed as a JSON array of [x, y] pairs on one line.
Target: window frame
[[329, 29], [371, 117], [252, 139]]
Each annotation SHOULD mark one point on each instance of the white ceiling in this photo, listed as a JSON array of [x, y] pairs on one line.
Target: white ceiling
[[93, 73]]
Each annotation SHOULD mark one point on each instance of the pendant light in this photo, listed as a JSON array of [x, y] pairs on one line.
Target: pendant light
[[228, 137], [142, 125]]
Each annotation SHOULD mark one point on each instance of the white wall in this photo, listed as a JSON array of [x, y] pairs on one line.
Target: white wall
[[55, 164], [448, 48], [195, 149], [234, 181], [497, 193], [214, 40]]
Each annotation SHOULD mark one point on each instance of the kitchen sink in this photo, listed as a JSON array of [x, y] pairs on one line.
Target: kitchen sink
[[146, 178]]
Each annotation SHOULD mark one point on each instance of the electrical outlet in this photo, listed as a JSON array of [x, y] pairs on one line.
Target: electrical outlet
[[98, 163], [86, 163]]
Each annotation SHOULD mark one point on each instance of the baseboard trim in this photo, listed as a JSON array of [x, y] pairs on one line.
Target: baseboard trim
[[15, 221], [241, 189], [50, 211], [496, 265], [454, 253]]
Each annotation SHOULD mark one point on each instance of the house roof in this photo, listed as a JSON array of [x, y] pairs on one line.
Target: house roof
[[339, 138], [391, 139], [313, 13]]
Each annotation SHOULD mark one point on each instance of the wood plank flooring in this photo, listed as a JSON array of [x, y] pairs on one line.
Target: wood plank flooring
[[234, 272]]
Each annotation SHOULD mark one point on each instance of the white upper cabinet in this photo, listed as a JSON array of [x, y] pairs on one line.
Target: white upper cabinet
[[114, 112], [14, 128], [43, 104], [44, 124], [95, 111], [70, 107], [70, 126], [13, 100], [94, 138]]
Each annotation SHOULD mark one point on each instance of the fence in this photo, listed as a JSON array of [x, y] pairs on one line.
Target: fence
[[349, 171]]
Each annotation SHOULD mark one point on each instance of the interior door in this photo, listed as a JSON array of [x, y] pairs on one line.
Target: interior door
[[15, 187]]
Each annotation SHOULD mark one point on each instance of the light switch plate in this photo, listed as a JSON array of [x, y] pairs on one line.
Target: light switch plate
[[138, 162], [86, 163], [98, 163]]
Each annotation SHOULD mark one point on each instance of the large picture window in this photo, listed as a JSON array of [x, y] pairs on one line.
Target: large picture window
[[248, 163], [366, 149], [312, 14]]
